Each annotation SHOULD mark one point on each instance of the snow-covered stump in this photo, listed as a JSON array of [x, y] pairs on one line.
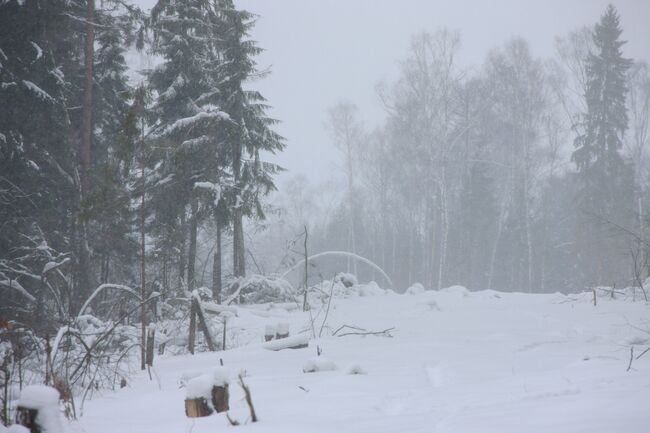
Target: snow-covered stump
[[197, 408], [38, 409], [269, 332], [207, 393], [282, 331]]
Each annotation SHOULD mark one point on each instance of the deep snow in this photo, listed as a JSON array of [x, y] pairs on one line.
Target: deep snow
[[458, 361]]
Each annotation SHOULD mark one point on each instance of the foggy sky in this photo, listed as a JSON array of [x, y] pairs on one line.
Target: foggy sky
[[321, 52]]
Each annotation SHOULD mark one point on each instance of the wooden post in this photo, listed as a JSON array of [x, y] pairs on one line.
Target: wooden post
[[192, 337], [223, 344], [151, 337]]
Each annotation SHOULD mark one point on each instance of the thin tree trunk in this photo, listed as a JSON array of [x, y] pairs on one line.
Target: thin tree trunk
[[191, 254], [86, 137], [143, 317], [181, 256], [216, 266]]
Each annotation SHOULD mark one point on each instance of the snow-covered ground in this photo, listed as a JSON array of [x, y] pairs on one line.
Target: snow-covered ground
[[457, 361]]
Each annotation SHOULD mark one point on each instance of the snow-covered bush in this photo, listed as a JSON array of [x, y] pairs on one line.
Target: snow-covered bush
[[415, 289], [355, 369], [258, 289], [348, 280], [318, 364]]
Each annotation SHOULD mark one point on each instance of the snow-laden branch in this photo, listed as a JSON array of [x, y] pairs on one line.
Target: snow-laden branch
[[342, 254], [15, 285], [99, 289]]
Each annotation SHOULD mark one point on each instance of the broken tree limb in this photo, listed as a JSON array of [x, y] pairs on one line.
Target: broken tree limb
[[384, 333]]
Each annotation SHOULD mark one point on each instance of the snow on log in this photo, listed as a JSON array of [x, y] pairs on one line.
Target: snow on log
[[299, 341]]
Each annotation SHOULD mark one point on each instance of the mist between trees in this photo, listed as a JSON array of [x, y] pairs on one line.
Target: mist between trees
[[521, 174]]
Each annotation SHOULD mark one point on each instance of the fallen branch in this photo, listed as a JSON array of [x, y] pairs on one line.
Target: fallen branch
[[342, 327], [249, 399], [384, 333], [643, 353], [629, 366]]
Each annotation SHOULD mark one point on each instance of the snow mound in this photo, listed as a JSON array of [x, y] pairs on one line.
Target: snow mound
[[45, 399], [355, 369], [456, 290], [415, 289], [320, 363], [38, 397]]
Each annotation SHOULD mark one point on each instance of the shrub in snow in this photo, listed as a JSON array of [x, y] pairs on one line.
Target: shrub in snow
[[259, 289], [318, 364], [348, 280], [38, 406], [370, 289], [355, 369], [204, 293], [415, 289]]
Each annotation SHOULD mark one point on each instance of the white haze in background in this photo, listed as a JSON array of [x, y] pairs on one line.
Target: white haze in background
[[322, 52]]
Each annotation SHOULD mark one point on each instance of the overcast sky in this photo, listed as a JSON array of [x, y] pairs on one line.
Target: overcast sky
[[324, 51]]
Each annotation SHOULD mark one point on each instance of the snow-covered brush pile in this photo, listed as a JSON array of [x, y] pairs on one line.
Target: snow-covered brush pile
[[258, 289]]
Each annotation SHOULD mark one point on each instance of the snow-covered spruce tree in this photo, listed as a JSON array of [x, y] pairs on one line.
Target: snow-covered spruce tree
[[189, 124], [603, 175], [38, 64], [252, 132], [107, 206]]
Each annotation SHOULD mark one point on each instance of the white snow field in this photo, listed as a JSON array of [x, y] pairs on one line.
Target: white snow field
[[457, 361]]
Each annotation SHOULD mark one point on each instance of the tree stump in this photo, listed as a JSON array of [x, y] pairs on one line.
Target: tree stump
[[220, 398], [27, 417], [197, 407], [282, 331]]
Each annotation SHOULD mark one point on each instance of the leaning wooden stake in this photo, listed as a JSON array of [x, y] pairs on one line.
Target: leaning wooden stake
[[203, 325]]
